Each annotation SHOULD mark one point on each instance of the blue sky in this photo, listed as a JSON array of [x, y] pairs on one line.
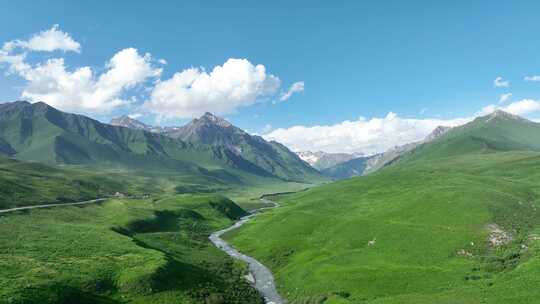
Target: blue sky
[[422, 60]]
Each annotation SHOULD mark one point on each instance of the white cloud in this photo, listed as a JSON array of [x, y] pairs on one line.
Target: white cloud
[[534, 78], [379, 134], [81, 90], [190, 93], [162, 61], [46, 41], [296, 87], [368, 136], [16, 63], [505, 97], [499, 82], [521, 108]]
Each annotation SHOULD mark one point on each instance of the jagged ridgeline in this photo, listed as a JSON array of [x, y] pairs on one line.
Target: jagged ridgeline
[[207, 146]]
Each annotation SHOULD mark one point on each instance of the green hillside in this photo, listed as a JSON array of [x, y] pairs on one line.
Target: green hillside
[[122, 251], [497, 132], [454, 221], [28, 183]]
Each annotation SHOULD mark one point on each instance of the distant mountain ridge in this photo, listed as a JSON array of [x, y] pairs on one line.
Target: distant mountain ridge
[[322, 160], [365, 165], [42, 133], [495, 131]]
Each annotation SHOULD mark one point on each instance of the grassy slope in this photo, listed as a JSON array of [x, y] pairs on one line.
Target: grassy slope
[[25, 183], [30, 183], [420, 213], [137, 251]]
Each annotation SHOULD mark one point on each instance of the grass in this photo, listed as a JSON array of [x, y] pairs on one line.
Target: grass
[[120, 251], [138, 251], [427, 223], [27, 183]]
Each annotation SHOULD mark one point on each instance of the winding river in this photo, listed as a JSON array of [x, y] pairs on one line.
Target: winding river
[[260, 276]]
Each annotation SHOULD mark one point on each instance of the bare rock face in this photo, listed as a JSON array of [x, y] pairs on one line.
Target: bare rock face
[[208, 128]]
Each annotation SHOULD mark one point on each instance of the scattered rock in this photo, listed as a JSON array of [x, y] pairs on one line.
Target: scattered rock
[[497, 236]]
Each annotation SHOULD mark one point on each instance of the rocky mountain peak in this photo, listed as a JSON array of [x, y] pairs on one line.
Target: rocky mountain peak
[[128, 122], [502, 114], [210, 118]]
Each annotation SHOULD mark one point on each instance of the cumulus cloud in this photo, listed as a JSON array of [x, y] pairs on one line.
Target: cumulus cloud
[[368, 136], [377, 135], [505, 97], [46, 41], [189, 93], [521, 108], [192, 92], [499, 82], [296, 87], [533, 78], [81, 89]]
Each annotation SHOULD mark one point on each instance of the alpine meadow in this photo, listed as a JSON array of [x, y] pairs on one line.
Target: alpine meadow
[[269, 153]]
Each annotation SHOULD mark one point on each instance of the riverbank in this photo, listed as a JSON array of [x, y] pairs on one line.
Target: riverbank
[[261, 277]]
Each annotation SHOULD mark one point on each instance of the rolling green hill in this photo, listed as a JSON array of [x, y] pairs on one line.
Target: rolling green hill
[[455, 220], [24, 183], [122, 251], [497, 132], [41, 133]]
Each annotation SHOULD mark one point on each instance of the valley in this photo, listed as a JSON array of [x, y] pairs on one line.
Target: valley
[[451, 217], [127, 213], [269, 152]]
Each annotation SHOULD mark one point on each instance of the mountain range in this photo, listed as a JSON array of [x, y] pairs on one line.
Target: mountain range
[[213, 130], [208, 146]]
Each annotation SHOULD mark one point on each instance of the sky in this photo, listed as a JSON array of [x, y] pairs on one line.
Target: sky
[[336, 76]]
